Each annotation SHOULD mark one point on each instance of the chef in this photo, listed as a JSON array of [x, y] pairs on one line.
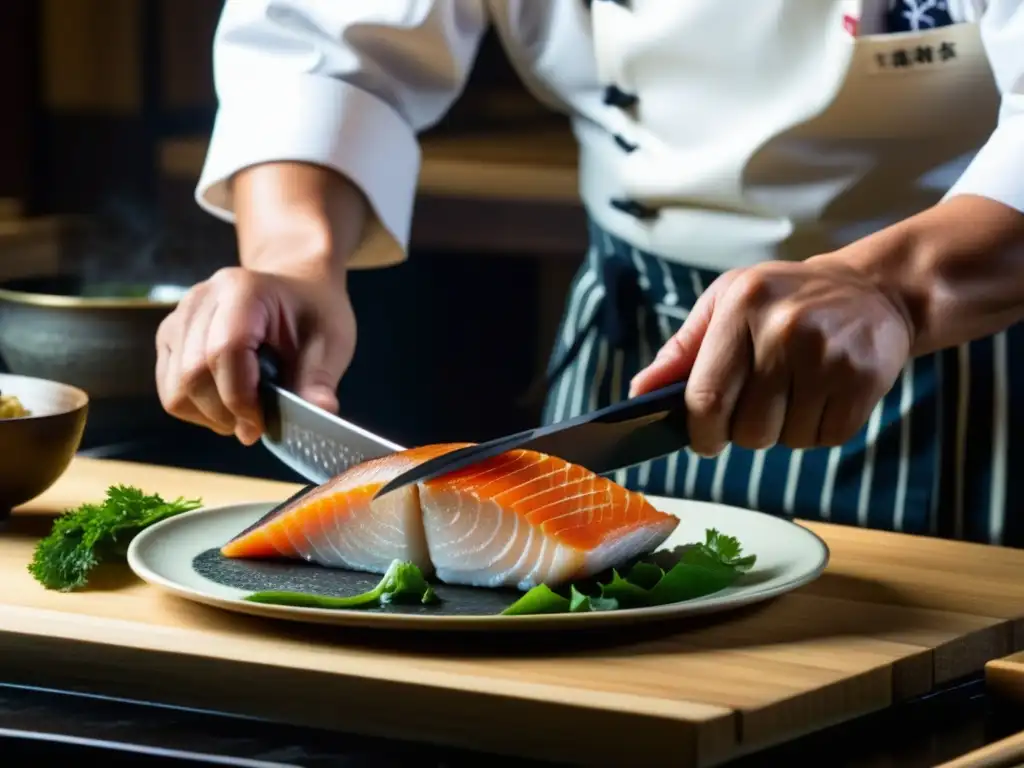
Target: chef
[[809, 209]]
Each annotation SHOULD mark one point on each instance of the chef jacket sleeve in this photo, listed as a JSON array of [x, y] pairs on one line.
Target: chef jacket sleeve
[[997, 171], [344, 84]]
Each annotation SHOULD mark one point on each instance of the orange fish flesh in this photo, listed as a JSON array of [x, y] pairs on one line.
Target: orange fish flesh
[[516, 520]]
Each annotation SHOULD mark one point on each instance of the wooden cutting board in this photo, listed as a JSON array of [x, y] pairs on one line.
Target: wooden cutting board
[[889, 619], [1006, 676], [1005, 753]]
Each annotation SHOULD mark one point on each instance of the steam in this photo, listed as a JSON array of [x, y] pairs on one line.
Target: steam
[[133, 242]]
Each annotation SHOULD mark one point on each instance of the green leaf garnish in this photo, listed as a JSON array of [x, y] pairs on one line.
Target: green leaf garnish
[[84, 537], [695, 575], [581, 603], [540, 599], [628, 593], [726, 549], [644, 575], [401, 583], [703, 569]]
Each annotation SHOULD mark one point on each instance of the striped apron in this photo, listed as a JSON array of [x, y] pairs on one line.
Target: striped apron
[[942, 454]]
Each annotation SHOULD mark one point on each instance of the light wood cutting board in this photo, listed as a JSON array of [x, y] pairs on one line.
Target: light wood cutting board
[[1006, 676], [889, 619], [1005, 753]]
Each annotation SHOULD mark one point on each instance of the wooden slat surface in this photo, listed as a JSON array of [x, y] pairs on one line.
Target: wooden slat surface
[[539, 165], [1006, 676], [91, 51], [1005, 753], [888, 620]]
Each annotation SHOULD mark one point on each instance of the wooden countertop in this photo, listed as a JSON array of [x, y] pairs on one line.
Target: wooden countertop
[[1006, 676], [892, 617], [531, 165], [1005, 753]]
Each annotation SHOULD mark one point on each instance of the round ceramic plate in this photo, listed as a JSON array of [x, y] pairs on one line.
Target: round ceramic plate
[[181, 555]]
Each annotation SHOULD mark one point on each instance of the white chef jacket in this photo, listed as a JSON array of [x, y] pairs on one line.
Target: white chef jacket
[[711, 133]]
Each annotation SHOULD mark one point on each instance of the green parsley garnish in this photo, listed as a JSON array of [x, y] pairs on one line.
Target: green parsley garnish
[[82, 538], [703, 569]]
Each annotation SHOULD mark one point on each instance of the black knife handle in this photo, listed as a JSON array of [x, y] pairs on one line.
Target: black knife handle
[[270, 369], [622, 438], [666, 399], [270, 366]]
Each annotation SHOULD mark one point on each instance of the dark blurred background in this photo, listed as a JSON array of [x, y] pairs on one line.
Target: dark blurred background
[[107, 105]]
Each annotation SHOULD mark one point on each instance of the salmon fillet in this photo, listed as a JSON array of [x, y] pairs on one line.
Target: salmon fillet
[[516, 520]]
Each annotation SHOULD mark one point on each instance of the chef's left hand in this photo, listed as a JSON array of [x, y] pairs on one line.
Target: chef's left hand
[[796, 353]]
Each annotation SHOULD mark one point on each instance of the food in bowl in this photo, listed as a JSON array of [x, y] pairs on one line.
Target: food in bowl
[[37, 448], [11, 407]]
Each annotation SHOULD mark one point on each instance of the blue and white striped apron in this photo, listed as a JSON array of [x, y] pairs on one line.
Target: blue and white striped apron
[[942, 454]]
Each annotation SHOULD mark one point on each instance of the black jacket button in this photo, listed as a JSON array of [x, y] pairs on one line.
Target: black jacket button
[[616, 97], [633, 208], [624, 145]]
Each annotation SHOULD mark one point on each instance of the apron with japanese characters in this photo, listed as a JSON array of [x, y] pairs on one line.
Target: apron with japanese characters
[[942, 451]]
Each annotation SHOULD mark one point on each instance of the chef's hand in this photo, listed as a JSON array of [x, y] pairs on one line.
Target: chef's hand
[[796, 353], [207, 372], [297, 226]]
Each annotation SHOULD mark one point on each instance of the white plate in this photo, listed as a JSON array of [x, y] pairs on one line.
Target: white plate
[[788, 556]]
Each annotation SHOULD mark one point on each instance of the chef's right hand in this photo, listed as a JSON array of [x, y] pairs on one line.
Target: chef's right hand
[[207, 372]]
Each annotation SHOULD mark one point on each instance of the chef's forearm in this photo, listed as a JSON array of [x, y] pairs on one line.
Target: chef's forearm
[[956, 270], [297, 219]]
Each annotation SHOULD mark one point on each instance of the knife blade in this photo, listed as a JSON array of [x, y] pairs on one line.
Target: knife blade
[[316, 444], [619, 436]]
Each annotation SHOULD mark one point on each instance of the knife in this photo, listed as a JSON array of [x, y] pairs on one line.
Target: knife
[[619, 436], [316, 444]]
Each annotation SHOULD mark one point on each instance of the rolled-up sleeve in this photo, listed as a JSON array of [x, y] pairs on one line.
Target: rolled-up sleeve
[[342, 84], [997, 171]]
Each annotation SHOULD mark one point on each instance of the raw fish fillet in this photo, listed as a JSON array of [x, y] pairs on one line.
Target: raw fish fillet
[[337, 526], [517, 520]]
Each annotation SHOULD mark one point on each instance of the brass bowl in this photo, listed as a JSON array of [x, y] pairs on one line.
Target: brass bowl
[[99, 336], [36, 450]]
